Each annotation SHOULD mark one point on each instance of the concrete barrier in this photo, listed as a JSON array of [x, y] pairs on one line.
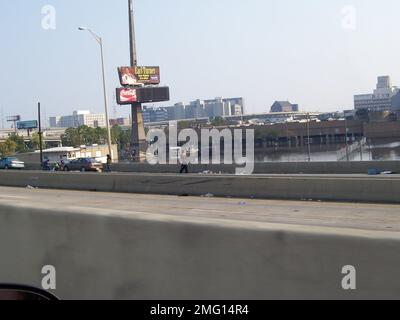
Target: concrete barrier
[[377, 189], [263, 168], [104, 254]]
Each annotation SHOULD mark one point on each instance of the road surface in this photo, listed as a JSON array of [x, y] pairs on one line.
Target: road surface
[[370, 217]]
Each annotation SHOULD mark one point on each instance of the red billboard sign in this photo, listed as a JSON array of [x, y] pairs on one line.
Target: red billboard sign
[[126, 96], [142, 95], [131, 76]]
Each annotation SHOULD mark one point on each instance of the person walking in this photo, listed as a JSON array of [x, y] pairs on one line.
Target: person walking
[[184, 162]]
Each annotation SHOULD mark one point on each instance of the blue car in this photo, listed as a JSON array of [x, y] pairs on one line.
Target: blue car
[[11, 163]]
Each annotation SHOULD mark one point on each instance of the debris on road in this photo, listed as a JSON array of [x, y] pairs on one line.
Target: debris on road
[[208, 195]]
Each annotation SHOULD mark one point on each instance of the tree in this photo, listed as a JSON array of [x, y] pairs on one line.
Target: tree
[[35, 142], [71, 138], [84, 135], [120, 137], [19, 143], [99, 136], [7, 148]]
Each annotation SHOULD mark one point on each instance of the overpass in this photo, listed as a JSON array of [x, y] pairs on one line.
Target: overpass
[[51, 137]]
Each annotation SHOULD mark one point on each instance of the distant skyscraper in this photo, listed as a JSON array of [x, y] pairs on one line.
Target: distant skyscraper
[[220, 107], [179, 111], [237, 106], [198, 109], [151, 115], [195, 110], [214, 108], [380, 99], [77, 119]]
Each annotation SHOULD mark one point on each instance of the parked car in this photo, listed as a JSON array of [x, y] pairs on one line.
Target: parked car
[[11, 163], [84, 164]]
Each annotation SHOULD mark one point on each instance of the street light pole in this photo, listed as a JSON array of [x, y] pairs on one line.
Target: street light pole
[[106, 100], [103, 69]]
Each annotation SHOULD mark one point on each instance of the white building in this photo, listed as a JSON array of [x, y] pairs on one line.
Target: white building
[[380, 99], [79, 118]]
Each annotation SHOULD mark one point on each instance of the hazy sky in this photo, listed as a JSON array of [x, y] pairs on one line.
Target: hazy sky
[[311, 52]]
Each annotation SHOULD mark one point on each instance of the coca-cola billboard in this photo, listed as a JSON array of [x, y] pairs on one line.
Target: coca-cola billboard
[[126, 96], [142, 95]]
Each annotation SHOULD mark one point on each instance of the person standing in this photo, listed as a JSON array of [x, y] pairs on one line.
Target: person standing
[[109, 162], [62, 163], [184, 162]]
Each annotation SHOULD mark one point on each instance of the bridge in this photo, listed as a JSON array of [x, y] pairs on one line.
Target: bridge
[[51, 137]]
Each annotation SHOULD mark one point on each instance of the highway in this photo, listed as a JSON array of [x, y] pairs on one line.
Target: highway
[[370, 217]]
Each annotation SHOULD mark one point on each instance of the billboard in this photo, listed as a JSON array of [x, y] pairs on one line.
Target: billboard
[[27, 125], [142, 95], [13, 118], [126, 96], [130, 76]]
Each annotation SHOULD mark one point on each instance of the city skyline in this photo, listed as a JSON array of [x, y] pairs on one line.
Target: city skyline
[[328, 66]]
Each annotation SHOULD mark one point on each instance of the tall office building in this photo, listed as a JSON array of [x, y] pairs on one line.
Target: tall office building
[[220, 107], [237, 106], [176, 112], [179, 111], [214, 108], [77, 119], [380, 99], [151, 115], [195, 110], [198, 109]]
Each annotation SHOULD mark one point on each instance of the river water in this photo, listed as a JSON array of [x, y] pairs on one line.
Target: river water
[[377, 150]]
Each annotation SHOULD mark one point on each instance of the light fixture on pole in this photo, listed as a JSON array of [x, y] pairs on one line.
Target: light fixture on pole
[[100, 42]]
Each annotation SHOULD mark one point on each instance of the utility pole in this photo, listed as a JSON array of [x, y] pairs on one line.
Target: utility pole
[[308, 137], [347, 143], [138, 138], [40, 135]]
